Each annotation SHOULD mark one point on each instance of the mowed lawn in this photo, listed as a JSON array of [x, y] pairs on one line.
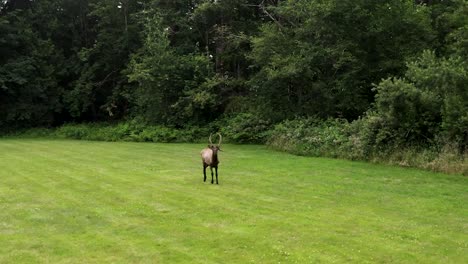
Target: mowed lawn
[[98, 202]]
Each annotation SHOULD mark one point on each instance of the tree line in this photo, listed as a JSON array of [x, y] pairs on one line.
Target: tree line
[[399, 65]]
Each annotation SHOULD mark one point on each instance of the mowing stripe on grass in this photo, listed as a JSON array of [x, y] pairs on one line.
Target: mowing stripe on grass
[[94, 202]]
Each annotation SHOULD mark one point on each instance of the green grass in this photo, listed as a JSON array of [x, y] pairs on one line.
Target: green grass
[[67, 201]]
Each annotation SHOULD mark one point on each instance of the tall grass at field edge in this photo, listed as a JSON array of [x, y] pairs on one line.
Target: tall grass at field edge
[[326, 139]]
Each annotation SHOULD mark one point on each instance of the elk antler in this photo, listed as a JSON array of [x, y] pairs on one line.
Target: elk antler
[[220, 139], [210, 139]]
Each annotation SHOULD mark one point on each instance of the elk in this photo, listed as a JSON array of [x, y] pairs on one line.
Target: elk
[[209, 157]]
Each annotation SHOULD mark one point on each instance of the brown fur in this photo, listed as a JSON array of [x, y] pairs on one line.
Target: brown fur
[[209, 157]]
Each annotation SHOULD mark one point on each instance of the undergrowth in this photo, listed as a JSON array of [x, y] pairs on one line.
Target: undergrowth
[[333, 138], [360, 141]]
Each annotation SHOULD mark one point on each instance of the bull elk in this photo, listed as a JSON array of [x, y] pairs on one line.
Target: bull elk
[[209, 157]]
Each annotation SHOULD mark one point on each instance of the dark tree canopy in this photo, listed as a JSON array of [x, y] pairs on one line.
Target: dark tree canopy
[[189, 62]]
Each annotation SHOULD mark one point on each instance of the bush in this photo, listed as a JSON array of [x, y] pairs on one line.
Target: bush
[[310, 137], [130, 131], [167, 135], [73, 131], [408, 114], [245, 128], [241, 128], [30, 133], [447, 77], [368, 138]]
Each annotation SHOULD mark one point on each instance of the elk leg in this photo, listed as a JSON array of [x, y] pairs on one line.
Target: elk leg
[[216, 169], [204, 173], [211, 168]]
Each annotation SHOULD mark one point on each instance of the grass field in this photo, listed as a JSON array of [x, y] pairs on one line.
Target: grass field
[[98, 202]]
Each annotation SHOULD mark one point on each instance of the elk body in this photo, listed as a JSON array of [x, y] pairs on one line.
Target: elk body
[[209, 157]]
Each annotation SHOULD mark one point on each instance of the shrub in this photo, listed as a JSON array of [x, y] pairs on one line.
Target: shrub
[[131, 131], [245, 128], [447, 78], [30, 133], [408, 114], [73, 131], [310, 137], [368, 138]]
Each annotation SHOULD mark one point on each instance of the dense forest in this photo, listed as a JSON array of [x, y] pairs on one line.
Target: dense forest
[[388, 73]]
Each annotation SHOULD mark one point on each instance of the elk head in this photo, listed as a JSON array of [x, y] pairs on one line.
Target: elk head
[[215, 147]]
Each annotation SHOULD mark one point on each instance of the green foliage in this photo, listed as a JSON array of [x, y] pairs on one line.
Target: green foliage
[[37, 132], [185, 68], [245, 128], [170, 86], [450, 19], [312, 137], [130, 131], [429, 107], [191, 134], [321, 57], [242, 128], [29, 72], [363, 139], [408, 114], [447, 79], [457, 39], [74, 131], [152, 69], [98, 86], [430, 104], [179, 62]]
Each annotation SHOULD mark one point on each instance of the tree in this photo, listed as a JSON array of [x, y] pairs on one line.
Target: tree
[[170, 85], [98, 88], [29, 71], [321, 57]]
